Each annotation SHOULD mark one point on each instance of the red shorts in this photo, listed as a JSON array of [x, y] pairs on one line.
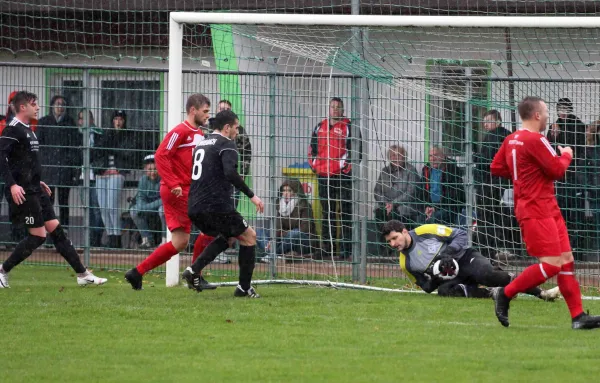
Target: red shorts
[[176, 209], [545, 237]]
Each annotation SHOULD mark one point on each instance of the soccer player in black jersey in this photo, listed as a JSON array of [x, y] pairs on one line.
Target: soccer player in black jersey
[[211, 206], [29, 196]]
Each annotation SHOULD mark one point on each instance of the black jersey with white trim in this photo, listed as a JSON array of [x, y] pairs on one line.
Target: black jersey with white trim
[[19, 160], [214, 174]]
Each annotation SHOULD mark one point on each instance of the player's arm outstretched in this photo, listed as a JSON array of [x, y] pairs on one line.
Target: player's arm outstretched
[[229, 158]]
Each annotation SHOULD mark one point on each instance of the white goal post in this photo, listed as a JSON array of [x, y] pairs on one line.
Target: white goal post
[[178, 19]]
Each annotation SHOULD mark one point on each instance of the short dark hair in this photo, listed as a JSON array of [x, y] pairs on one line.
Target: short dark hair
[[528, 106], [23, 98], [494, 113], [196, 101], [224, 117], [392, 225], [336, 99], [226, 102]]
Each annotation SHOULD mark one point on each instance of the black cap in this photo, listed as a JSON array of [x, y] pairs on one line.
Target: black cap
[[120, 113], [565, 103]]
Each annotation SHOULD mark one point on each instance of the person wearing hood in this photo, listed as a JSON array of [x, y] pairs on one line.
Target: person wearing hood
[[569, 130], [114, 155], [60, 152], [396, 189], [294, 224]]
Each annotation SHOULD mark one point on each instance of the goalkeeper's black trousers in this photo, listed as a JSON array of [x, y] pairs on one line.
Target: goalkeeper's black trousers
[[474, 270]]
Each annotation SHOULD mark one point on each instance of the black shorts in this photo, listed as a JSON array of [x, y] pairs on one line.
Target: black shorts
[[229, 225], [32, 213], [473, 267]]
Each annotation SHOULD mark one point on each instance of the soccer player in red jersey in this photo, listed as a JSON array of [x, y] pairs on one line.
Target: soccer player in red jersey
[[174, 164], [529, 160]]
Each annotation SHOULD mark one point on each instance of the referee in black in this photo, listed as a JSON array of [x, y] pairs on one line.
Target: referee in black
[[28, 196]]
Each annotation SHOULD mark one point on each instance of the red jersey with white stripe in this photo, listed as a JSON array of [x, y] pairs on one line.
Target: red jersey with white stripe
[[530, 161], [174, 155]]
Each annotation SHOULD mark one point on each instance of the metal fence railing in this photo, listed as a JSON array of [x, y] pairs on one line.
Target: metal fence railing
[[279, 114]]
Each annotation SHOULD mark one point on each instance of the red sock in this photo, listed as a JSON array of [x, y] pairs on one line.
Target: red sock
[[201, 242], [531, 277], [161, 255], [569, 288]]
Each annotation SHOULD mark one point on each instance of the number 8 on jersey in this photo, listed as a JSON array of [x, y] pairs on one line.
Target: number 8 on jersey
[[197, 169]]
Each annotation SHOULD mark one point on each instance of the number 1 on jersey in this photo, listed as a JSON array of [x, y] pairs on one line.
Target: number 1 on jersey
[[197, 169], [514, 159]]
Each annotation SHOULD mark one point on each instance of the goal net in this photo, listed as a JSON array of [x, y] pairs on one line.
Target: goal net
[[429, 100]]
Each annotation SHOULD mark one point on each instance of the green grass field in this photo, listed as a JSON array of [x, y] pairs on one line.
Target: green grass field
[[54, 331]]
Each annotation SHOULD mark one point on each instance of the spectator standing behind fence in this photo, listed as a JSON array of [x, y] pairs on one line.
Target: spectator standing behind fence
[[490, 189], [60, 153], [148, 205], [592, 170], [334, 145], [444, 188], [244, 148], [397, 189], [96, 225], [114, 156], [17, 232], [569, 130]]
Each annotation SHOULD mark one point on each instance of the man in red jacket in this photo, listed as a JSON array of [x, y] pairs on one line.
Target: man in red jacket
[[173, 160], [529, 160], [330, 156]]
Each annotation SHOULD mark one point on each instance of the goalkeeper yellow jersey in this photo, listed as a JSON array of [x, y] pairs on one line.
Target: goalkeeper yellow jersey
[[428, 242]]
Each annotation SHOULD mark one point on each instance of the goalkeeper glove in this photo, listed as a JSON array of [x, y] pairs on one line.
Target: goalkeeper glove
[[445, 268]]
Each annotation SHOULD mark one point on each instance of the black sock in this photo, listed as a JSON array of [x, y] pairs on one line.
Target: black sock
[[66, 249], [536, 292], [496, 278], [216, 247], [22, 251], [246, 260]]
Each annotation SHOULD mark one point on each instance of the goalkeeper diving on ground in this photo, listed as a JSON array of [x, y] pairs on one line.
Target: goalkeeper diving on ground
[[438, 257]]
